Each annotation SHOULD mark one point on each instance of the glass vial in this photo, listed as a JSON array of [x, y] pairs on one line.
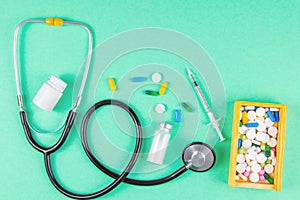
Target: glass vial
[[159, 144], [49, 94]]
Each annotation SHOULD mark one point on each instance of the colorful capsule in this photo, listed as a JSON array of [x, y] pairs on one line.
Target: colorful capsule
[[112, 84], [241, 123], [244, 117], [177, 115], [163, 88], [187, 107], [276, 116], [271, 116], [138, 79], [151, 93], [270, 180], [252, 125], [240, 143]]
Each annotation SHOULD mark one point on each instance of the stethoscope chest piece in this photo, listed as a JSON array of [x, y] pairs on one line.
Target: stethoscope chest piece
[[199, 157]]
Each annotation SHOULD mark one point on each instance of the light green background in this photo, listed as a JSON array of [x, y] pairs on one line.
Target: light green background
[[255, 46]]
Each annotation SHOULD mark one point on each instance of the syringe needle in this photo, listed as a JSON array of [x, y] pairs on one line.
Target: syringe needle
[[212, 119]]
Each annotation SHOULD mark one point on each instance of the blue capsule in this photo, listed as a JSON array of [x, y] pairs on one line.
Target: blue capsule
[[177, 115], [240, 143], [252, 125], [276, 113], [271, 116], [138, 79]]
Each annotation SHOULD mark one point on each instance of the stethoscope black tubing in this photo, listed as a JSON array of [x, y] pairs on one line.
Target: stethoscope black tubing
[[101, 166], [118, 178]]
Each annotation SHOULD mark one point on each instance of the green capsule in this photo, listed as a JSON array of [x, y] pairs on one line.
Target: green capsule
[[187, 107], [268, 148], [267, 176], [241, 123], [268, 161], [151, 93]]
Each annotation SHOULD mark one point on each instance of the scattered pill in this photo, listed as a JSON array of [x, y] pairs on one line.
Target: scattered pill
[[272, 131], [262, 172], [244, 117], [262, 178], [254, 177], [271, 116], [275, 124], [260, 120], [251, 115], [156, 77], [270, 180], [240, 168], [138, 79], [243, 137], [262, 164], [237, 178], [276, 114], [268, 161], [248, 168], [252, 125], [151, 93], [112, 84], [240, 158], [242, 129], [160, 108], [268, 122], [177, 115], [261, 158], [273, 161], [251, 134], [272, 142], [260, 112], [187, 107], [269, 168], [265, 138], [256, 142], [163, 88], [250, 108], [263, 147], [258, 150], [246, 173], [274, 109]]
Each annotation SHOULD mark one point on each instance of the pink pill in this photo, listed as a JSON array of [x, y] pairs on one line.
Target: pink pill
[[274, 150], [262, 172], [262, 178], [246, 173]]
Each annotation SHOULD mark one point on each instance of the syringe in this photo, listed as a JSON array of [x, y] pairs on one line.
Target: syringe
[[212, 118]]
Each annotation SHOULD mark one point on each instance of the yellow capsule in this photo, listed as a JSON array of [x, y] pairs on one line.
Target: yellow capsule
[[245, 117], [163, 88], [58, 22], [49, 21], [112, 84]]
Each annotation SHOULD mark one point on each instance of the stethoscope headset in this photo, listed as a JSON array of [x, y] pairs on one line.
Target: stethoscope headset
[[197, 156]]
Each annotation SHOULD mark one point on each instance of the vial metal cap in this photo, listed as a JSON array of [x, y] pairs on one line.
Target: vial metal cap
[[165, 125]]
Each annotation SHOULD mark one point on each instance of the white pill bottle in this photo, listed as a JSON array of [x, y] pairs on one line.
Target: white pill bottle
[[50, 93], [160, 143]]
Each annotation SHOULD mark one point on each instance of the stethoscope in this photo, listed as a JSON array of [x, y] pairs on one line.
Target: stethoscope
[[197, 156]]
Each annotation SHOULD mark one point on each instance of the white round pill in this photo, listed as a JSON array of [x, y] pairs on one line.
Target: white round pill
[[156, 77], [272, 131], [251, 115], [273, 161], [160, 108], [268, 122], [269, 168], [272, 142], [260, 136], [272, 155], [240, 168], [248, 168], [251, 134], [261, 127], [261, 158], [242, 129], [260, 120], [256, 168], [247, 144], [260, 112], [252, 155], [254, 177], [240, 158], [265, 138]]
